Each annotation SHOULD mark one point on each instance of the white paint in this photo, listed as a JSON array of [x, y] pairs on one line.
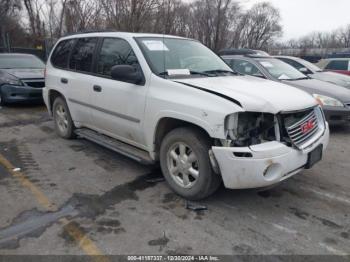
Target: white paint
[[327, 195]]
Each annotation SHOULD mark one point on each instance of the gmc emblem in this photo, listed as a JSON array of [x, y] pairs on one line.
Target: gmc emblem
[[305, 128]]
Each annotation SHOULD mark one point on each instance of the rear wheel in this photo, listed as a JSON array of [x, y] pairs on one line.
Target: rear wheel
[[63, 122], [184, 159]]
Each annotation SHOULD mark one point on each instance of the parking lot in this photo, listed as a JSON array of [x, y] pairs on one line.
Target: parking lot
[[74, 197]]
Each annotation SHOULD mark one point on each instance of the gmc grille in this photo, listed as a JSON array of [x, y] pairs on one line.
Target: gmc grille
[[305, 127]]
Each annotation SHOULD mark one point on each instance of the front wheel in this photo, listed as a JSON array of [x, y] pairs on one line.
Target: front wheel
[[63, 121], [185, 163]]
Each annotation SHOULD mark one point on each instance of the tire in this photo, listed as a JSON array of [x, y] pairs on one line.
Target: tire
[[2, 100], [185, 163], [63, 121]]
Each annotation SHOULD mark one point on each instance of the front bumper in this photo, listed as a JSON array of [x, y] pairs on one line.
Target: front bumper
[[262, 165], [337, 115], [13, 94]]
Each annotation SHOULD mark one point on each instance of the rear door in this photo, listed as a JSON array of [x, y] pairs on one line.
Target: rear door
[[118, 107], [79, 80]]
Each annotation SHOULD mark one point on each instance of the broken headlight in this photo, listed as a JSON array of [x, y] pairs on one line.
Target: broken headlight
[[250, 128]]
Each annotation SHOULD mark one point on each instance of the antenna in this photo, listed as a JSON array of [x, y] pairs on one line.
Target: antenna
[[164, 29]]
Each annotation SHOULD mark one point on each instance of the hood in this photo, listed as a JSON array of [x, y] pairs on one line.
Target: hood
[[314, 86], [335, 78], [254, 94], [24, 73]]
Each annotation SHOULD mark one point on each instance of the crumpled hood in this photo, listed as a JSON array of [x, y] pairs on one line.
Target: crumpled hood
[[336, 78], [25, 73], [314, 86], [254, 94]]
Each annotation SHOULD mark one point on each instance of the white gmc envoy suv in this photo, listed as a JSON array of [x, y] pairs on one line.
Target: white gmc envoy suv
[[167, 99]]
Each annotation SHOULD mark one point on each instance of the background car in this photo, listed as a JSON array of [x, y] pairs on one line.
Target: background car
[[315, 72], [334, 99], [338, 65], [21, 78]]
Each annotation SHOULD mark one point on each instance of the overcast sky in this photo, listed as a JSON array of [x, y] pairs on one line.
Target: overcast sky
[[300, 17]]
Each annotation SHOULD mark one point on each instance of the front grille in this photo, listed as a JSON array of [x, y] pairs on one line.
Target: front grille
[[304, 127], [34, 83]]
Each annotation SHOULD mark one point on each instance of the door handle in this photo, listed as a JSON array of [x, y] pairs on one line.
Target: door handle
[[64, 80], [97, 88]]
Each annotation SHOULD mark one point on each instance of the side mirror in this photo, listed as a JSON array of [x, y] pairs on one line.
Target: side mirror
[[126, 73], [304, 70]]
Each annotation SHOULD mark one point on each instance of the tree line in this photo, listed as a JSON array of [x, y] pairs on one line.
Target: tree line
[[338, 38], [216, 23]]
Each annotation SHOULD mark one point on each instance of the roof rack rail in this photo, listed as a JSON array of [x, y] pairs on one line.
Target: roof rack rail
[[91, 32]]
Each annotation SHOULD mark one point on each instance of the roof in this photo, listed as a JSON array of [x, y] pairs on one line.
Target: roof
[[338, 59], [252, 56], [117, 34]]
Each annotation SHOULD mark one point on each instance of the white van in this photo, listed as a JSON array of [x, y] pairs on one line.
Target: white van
[[171, 100]]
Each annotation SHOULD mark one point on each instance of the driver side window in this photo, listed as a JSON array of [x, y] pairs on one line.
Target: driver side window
[[246, 68], [113, 52]]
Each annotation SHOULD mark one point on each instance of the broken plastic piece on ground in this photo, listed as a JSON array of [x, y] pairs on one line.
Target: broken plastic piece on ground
[[17, 169], [195, 207], [155, 180], [155, 177]]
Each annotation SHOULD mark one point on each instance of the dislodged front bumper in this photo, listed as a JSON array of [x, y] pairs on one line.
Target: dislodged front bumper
[[12, 93], [262, 165]]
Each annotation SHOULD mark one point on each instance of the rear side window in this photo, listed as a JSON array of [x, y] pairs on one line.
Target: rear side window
[[61, 54], [82, 55], [338, 65], [115, 52], [245, 68]]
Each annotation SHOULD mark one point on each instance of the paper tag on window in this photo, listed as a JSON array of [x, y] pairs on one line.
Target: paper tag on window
[[266, 64], [172, 72], [155, 45]]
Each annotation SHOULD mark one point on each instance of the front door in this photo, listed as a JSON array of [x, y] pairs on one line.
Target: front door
[[118, 107]]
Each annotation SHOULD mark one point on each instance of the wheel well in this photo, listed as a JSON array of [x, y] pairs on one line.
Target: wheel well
[[165, 125], [52, 96]]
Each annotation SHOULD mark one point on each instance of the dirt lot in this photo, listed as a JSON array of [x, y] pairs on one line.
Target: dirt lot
[[74, 197]]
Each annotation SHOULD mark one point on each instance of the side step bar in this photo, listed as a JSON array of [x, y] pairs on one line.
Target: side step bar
[[132, 152]]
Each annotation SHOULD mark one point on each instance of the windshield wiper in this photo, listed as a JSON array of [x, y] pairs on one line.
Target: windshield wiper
[[296, 79], [218, 71]]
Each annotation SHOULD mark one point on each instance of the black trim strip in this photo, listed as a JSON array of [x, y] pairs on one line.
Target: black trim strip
[[135, 120], [213, 92]]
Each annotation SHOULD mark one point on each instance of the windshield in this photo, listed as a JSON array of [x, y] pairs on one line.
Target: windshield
[[19, 61], [281, 70], [172, 56], [310, 66]]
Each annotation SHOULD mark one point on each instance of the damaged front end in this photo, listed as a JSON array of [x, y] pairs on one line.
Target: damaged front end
[[262, 149], [251, 128]]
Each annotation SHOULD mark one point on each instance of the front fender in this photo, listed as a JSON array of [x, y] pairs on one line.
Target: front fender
[[214, 129]]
